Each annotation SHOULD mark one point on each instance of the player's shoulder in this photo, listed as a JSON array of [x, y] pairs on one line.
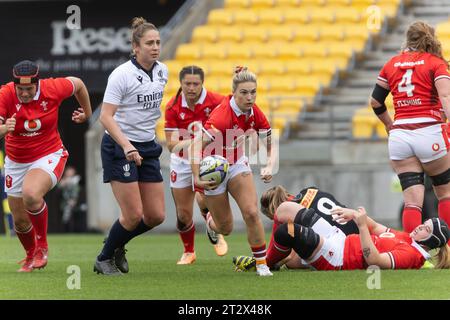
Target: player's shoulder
[[7, 88], [123, 70], [214, 97], [162, 66]]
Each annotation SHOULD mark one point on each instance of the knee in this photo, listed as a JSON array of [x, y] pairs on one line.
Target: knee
[[155, 219], [31, 198], [251, 216], [131, 219], [226, 229], [184, 214]]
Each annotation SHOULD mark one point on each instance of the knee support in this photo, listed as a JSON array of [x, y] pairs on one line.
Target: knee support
[[409, 179], [300, 238], [306, 217], [441, 178]]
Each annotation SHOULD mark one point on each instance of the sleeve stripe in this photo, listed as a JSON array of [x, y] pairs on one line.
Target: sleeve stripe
[[392, 260], [73, 85], [441, 77], [382, 79]]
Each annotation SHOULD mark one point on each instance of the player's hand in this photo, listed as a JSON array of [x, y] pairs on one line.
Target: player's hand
[[132, 154], [266, 174], [360, 217], [342, 215], [10, 123], [207, 185], [78, 116]]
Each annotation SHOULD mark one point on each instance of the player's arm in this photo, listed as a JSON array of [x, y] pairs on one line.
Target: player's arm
[[82, 95], [443, 89], [342, 215], [371, 254], [106, 119], [379, 94], [200, 140]]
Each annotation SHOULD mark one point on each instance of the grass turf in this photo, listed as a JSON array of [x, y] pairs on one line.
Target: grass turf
[[155, 275]]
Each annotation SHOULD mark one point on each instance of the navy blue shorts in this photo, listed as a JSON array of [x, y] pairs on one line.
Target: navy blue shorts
[[117, 168]]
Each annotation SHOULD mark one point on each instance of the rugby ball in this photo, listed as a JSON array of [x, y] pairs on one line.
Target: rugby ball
[[213, 168]]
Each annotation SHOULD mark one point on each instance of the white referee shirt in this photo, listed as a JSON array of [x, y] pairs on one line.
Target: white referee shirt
[[138, 95]]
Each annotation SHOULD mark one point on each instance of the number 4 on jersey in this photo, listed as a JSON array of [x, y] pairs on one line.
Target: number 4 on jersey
[[405, 85]]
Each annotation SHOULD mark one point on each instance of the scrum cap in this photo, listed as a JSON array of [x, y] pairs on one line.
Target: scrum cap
[[26, 72]]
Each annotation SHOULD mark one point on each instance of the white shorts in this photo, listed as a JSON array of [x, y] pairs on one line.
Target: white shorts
[[427, 144], [180, 173], [15, 172], [331, 255], [233, 170]]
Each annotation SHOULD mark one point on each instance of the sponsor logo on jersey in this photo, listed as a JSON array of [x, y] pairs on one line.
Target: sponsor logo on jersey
[[126, 169], [435, 146], [150, 101], [309, 197], [173, 176], [8, 181], [32, 125], [139, 79]]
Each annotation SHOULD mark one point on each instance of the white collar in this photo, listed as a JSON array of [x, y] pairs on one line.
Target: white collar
[[200, 100], [238, 112], [424, 253], [38, 93]]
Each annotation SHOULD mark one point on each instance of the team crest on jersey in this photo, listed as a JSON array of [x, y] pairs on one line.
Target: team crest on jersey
[[32, 125], [182, 115], [8, 181], [18, 106], [173, 176], [44, 105], [207, 111], [126, 170], [160, 75], [252, 124]]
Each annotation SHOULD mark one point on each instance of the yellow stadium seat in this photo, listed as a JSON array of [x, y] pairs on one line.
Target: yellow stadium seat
[[363, 123], [230, 34], [245, 17], [172, 87], [363, 3], [389, 11], [239, 51], [278, 123], [220, 17], [237, 4], [340, 49], [174, 67], [347, 15], [215, 51], [307, 85], [252, 34], [262, 4], [188, 51], [306, 33], [271, 16], [287, 51], [281, 33], [263, 85], [205, 34], [315, 50], [321, 15], [313, 2], [298, 67], [322, 67], [263, 50], [263, 103], [388, 2], [282, 84], [443, 30], [220, 67], [338, 2], [357, 45], [380, 129], [288, 3], [331, 33], [271, 67], [296, 16], [356, 32]]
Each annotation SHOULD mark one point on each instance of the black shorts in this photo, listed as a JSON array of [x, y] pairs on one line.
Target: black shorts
[[117, 168]]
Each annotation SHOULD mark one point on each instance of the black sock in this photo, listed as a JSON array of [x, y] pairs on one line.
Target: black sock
[[118, 237]]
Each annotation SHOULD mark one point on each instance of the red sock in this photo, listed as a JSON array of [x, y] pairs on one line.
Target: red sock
[[187, 237], [411, 218], [444, 210], [39, 219], [28, 240], [259, 253], [276, 252]]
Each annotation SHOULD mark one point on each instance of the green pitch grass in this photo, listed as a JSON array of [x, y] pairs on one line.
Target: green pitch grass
[[155, 275]]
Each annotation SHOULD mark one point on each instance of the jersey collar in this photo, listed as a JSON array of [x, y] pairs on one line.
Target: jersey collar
[[200, 100], [238, 112], [38, 92], [148, 72], [424, 253]]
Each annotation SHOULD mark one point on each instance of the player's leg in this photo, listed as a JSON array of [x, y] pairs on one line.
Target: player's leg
[[242, 189], [184, 204], [439, 172], [24, 231], [410, 173], [221, 247]]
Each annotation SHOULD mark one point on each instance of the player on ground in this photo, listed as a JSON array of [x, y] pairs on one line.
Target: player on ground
[[420, 85], [185, 113], [35, 154], [130, 154], [228, 127]]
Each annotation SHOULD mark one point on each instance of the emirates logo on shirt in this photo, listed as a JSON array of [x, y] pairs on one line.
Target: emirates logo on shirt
[[32, 125]]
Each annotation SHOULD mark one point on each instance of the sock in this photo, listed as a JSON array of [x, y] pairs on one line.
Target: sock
[[118, 237], [259, 253], [39, 219], [411, 218], [444, 210], [187, 237], [276, 251], [28, 240]]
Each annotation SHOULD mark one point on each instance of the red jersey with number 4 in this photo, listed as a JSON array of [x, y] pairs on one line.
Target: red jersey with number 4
[[404, 254], [411, 76], [233, 129], [36, 132]]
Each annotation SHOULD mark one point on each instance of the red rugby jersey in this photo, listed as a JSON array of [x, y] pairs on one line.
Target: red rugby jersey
[[36, 133], [411, 76]]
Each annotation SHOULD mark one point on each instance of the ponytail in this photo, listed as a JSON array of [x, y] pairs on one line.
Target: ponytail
[[443, 258], [271, 200]]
